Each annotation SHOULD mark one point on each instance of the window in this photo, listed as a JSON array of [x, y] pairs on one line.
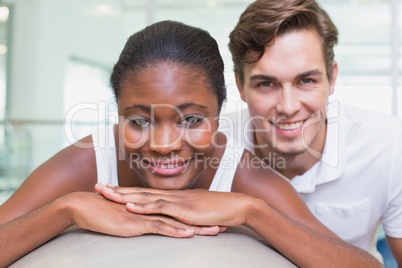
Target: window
[[65, 94], [88, 100], [365, 53]]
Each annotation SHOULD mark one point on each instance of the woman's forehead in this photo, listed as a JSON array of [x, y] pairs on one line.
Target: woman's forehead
[[172, 84]]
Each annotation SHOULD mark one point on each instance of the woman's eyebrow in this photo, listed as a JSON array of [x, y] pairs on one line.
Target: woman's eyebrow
[[191, 104], [148, 109], [145, 108]]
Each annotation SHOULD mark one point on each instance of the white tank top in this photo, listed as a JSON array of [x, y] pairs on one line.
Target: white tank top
[[105, 154], [106, 161]]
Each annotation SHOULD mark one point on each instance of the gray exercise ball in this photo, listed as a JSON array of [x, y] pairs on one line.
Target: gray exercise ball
[[237, 247]]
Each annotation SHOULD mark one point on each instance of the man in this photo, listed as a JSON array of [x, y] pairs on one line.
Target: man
[[346, 163]]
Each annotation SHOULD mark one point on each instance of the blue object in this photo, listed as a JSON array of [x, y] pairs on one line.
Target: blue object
[[382, 247]]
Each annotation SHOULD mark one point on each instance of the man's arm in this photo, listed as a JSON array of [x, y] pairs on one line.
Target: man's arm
[[395, 245], [302, 245]]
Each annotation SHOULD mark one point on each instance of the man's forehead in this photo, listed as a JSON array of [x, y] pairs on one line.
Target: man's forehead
[[301, 50]]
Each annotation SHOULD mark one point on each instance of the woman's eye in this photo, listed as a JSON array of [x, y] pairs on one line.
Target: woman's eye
[[190, 120], [141, 122]]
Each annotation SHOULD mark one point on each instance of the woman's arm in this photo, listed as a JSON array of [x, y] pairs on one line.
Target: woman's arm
[[29, 217], [21, 235], [88, 211], [59, 194], [72, 169]]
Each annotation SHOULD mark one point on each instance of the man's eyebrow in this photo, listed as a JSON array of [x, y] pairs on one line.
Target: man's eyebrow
[[263, 77], [308, 73], [148, 109]]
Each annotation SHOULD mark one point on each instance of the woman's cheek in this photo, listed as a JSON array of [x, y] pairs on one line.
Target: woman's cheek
[[133, 139], [200, 139]]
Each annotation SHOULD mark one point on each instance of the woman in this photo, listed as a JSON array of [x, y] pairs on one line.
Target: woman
[[169, 87]]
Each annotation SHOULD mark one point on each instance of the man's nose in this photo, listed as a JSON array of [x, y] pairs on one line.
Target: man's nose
[[288, 102]]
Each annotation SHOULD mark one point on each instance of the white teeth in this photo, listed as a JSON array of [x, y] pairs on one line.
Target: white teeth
[[290, 126]]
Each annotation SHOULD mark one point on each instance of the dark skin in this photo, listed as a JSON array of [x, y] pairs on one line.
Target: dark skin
[[62, 190]]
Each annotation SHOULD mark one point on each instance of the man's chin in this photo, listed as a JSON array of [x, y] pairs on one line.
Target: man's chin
[[290, 152]]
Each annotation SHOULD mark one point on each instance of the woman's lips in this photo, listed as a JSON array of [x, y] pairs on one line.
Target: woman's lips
[[165, 168]]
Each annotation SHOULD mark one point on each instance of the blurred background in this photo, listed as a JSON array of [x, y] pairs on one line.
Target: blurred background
[[56, 57]]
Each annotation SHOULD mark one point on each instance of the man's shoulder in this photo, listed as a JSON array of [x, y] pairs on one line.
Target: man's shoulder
[[354, 116], [365, 129]]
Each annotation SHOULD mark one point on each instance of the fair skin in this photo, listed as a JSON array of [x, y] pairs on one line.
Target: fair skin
[[289, 88], [166, 140]]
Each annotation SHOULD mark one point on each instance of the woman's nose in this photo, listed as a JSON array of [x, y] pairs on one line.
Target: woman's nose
[[165, 139]]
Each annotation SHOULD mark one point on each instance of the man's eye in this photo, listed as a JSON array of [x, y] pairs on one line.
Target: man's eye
[[190, 120], [141, 122], [307, 81], [266, 84]]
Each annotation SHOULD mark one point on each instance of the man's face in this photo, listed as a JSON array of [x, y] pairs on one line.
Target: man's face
[[287, 91]]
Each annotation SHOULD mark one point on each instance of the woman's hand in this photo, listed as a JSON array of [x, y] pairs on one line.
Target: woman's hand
[[93, 212], [193, 207]]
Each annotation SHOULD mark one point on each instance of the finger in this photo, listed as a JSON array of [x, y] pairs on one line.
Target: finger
[[110, 194], [156, 207], [198, 230], [129, 190], [99, 187], [162, 228], [179, 211], [142, 197], [207, 230], [222, 229]]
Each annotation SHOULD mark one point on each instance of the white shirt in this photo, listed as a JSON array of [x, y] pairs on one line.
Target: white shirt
[[358, 181]]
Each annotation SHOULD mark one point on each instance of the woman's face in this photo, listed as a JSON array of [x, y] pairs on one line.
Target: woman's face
[[168, 118]]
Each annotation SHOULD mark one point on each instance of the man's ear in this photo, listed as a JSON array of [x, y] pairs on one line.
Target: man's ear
[[240, 88], [334, 76]]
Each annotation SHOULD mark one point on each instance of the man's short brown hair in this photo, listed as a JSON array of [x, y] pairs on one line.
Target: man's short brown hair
[[264, 20]]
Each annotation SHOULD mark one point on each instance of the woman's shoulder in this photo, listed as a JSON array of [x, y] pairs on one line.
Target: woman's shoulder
[[70, 170], [75, 163]]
